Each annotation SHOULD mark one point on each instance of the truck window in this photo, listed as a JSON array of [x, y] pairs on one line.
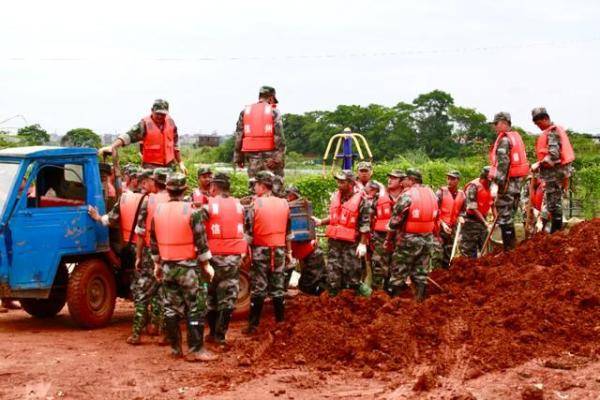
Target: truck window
[[60, 185], [7, 175]]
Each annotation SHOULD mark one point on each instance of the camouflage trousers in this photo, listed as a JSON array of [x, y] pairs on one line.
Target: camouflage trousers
[[507, 203], [267, 273], [553, 194], [411, 258], [312, 278], [184, 292], [472, 236], [380, 261], [224, 288], [344, 269], [145, 291], [257, 163], [446, 241]]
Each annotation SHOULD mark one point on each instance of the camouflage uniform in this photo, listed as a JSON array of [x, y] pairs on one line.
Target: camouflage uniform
[[257, 161], [507, 201], [473, 231], [312, 277], [380, 261], [553, 177]]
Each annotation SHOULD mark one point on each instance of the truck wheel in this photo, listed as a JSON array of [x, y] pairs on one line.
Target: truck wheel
[[92, 294], [242, 307], [46, 308]]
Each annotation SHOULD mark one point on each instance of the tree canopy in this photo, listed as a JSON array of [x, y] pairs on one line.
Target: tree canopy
[[33, 135], [81, 137]]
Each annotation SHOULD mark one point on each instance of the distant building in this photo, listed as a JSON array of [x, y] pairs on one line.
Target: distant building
[[208, 140]]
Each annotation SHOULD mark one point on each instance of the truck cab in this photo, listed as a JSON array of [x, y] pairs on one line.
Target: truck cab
[[51, 251]]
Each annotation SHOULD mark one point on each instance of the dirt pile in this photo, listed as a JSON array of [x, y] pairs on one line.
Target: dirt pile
[[496, 312]]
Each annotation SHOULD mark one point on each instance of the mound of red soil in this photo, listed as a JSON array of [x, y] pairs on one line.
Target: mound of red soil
[[495, 312]]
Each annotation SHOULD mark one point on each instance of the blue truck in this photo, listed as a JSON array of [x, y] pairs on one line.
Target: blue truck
[[51, 251]]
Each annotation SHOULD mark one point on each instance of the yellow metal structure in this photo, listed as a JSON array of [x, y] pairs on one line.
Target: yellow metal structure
[[357, 138]]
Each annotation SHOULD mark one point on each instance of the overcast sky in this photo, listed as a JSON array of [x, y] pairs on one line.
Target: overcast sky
[[68, 64]]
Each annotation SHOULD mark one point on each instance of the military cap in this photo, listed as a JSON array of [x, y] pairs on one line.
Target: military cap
[[268, 90], [414, 173], [160, 106], [485, 171], [265, 177], [146, 173], [291, 189], [345, 175], [364, 165], [539, 112], [161, 175], [105, 168], [221, 177], [176, 181], [373, 185], [127, 168], [204, 170], [134, 171], [396, 173], [502, 116], [454, 174]]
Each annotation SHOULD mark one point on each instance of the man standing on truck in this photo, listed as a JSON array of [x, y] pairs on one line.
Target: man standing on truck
[[157, 134], [180, 252]]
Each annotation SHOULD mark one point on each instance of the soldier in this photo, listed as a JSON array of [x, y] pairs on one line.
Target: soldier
[[108, 189], [348, 228], [478, 201], [267, 227], [554, 157], [532, 204], [447, 197], [145, 288], [508, 166], [158, 136], [309, 255], [382, 210], [201, 193], [414, 215], [224, 219], [365, 173], [180, 253], [259, 139]]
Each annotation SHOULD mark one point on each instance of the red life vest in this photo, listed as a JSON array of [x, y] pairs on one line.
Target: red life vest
[[301, 250], [448, 213], [423, 210], [154, 199], [567, 155], [538, 196], [174, 232], [343, 218], [484, 197], [128, 206], [271, 216], [457, 208], [225, 226], [384, 207], [259, 128], [519, 166], [159, 145], [198, 197]]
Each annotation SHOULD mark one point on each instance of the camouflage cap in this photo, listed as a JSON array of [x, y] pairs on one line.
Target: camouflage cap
[[364, 165], [134, 171], [485, 171], [126, 168], [268, 90], [221, 177], [160, 106], [161, 175], [146, 173], [454, 174], [502, 116], [265, 177], [396, 173], [539, 112], [105, 168], [345, 175], [204, 170], [176, 181], [291, 189], [414, 173]]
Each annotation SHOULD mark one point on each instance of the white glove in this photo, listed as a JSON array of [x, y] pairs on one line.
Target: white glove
[[209, 271], [361, 250], [535, 166], [316, 220], [461, 220], [494, 190], [446, 228]]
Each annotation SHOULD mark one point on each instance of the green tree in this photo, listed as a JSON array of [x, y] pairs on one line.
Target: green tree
[[81, 137], [432, 123], [33, 135], [471, 130]]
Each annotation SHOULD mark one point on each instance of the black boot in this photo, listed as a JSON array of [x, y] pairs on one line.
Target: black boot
[[197, 352], [211, 318], [223, 318], [557, 222], [256, 305], [509, 239], [421, 292], [174, 335], [278, 307]]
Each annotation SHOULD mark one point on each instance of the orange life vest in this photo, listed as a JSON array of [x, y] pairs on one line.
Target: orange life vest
[[457, 208], [423, 210], [259, 128], [271, 216], [225, 226], [448, 214], [159, 145], [538, 196], [484, 197], [343, 217], [174, 232], [301, 250], [519, 166], [128, 205], [383, 208], [567, 155], [153, 200], [198, 197]]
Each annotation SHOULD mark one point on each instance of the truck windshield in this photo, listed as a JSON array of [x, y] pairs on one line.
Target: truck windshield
[[7, 175]]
